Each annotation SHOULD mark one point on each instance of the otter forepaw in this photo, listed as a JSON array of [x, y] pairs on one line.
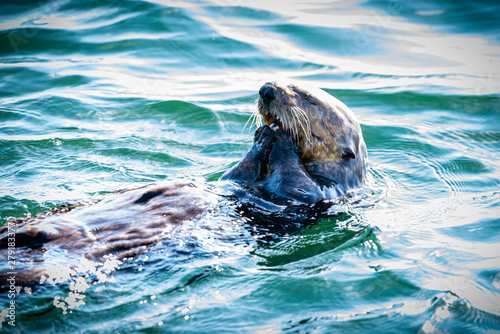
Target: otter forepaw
[[255, 164], [264, 137], [283, 140]]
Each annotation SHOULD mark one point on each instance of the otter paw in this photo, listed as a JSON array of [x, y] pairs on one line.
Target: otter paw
[[264, 137], [283, 140]]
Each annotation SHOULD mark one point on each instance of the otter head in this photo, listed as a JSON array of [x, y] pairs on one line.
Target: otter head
[[327, 134]]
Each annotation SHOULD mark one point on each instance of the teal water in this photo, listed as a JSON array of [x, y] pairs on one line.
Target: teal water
[[101, 96]]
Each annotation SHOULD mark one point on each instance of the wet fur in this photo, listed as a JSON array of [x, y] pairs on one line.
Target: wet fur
[[120, 226]]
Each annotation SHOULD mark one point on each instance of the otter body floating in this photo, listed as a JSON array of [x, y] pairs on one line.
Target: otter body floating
[[310, 149]]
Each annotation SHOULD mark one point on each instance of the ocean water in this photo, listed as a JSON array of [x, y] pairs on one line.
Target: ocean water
[[100, 96]]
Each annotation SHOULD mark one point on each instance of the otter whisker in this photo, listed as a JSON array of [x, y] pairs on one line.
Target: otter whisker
[[307, 124], [291, 123], [288, 123], [301, 118], [296, 123], [248, 120], [255, 118]]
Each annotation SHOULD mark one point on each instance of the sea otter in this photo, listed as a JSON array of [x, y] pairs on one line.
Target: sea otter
[[315, 152], [310, 149]]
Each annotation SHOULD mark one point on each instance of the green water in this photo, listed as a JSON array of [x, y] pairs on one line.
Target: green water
[[101, 96]]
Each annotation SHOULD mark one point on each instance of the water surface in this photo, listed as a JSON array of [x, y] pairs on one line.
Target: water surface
[[101, 96]]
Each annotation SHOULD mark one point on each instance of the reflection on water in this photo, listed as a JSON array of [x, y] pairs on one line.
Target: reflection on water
[[102, 96]]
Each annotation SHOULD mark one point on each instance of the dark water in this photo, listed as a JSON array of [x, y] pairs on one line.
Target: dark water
[[98, 96]]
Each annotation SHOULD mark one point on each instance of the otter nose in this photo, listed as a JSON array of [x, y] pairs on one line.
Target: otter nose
[[267, 93]]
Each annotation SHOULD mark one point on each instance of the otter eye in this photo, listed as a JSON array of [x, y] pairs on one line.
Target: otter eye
[[348, 153]]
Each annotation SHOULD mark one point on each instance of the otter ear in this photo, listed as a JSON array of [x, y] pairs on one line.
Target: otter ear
[[348, 153]]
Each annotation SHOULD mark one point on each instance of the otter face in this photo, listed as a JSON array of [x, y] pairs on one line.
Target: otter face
[[323, 128]]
